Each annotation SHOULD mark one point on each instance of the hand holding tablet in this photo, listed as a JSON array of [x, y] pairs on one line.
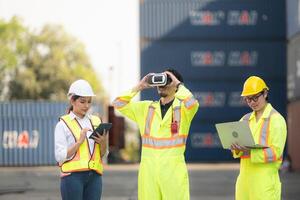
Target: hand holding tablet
[[101, 129]]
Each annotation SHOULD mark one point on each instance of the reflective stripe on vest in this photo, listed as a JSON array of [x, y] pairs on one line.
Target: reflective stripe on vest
[[149, 120], [246, 118], [160, 143], [269, 153], [177, 116], [164, 143], [150, 115], [83, 159]]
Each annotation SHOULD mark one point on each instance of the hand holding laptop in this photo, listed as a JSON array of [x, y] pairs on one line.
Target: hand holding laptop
[[238, 147], [236, 135]]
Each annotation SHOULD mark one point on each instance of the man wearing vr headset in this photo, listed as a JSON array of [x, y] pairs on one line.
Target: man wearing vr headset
[[164, 127]]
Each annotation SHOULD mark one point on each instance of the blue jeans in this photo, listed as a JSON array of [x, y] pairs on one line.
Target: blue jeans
[[85, 185]]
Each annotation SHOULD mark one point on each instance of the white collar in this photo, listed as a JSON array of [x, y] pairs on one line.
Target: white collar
[[73, 116]]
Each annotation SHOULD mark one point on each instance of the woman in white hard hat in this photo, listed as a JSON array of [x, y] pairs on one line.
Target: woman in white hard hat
[[258, 178], [78, 156]]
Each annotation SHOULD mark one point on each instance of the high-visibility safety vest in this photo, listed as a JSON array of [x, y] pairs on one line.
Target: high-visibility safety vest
[[155, 131], [163, 143], [269, 131], [83, 159], [258, 178], [175, 141]]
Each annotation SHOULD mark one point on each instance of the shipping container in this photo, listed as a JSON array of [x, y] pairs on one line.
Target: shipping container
[[293, 18], [213, 19], [221, 101], [294, 134], [203, 144], [216, 60], [117, 132], [27, 132], [293, 74], [293, 139]]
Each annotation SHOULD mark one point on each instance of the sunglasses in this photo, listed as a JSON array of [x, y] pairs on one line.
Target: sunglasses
[[253, 98]]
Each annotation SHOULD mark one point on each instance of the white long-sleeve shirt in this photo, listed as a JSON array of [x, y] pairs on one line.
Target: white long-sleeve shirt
[[64, 138]]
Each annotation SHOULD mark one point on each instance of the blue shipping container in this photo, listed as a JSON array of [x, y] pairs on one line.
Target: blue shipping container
[[216, 60], [293, 17], [27, 132], [213, 19], [220, 100], [203, 144], [293, 78]]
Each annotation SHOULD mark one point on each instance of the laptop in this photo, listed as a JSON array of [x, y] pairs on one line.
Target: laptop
[[236, 132]]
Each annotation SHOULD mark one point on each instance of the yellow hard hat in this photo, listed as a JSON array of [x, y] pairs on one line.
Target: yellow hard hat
[[253, 85]]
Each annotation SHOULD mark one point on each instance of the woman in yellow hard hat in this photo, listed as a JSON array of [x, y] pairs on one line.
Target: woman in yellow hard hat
[[258, 178]]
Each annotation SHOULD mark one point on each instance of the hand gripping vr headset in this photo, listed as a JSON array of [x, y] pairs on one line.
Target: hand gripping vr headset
[[159, 79]]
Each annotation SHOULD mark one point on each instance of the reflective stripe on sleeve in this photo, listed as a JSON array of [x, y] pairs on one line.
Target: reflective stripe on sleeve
[[119, 103], [269, 155], [190, 102], [246, 155]]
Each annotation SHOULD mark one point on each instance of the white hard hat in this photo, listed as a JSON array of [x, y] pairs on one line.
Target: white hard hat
[[81, 88]]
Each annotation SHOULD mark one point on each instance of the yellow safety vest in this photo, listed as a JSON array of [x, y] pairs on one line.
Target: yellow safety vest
[[83, 159], [156, 132], [173, 142], [271, 119], [258, 178], [162, 159]]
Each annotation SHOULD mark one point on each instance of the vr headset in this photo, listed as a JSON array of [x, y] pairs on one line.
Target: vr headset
[[159, 79]]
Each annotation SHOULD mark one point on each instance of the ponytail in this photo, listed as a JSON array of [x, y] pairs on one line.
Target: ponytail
[[70, 107]]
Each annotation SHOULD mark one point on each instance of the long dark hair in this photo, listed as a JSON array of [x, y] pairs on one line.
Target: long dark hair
[[70, 107]]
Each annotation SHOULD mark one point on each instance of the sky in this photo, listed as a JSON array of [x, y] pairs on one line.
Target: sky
[[108, 29]]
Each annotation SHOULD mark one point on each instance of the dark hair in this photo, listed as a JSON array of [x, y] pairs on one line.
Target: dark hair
[[175, 73], [73, 98], [265, 91]]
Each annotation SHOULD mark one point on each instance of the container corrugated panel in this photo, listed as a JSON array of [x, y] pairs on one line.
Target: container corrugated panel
[[221, 101], [293, 75], [216, 60], [293, 18], [213, 19], [27, 132], [293, 133], [203, 144]]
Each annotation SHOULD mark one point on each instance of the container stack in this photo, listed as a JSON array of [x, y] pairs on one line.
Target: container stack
[[216, 45], [27, 131], [293, 81]]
